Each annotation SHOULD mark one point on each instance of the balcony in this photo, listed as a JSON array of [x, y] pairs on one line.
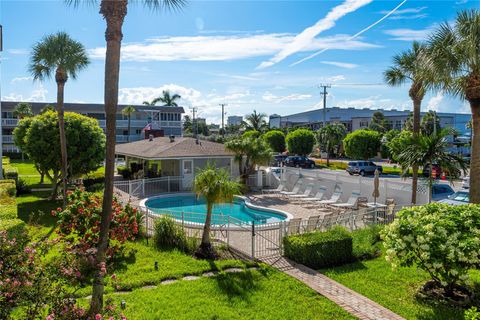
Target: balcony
[[124, 138], [7, 138], [9, 122]]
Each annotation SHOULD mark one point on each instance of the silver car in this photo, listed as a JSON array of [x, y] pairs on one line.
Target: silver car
[[458, 198]]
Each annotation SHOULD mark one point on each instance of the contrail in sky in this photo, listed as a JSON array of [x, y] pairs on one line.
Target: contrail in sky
[[352, 37]]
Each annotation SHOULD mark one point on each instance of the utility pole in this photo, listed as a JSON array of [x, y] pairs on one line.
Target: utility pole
[[324, 94], [223, 118], [194, 123]]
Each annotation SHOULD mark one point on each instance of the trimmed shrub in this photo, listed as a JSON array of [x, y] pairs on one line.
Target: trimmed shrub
[[362, 144], [367, 243], [251, 134], [22, 187], [300, 141], [10, 173], [93, 178], [7, 188], [124, 172], [276, 140], [5, 161], [15, 228], [8, 209], [169, 235], [320, 249]]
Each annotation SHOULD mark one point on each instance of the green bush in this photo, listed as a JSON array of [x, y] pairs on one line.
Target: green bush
[[367, 243], [320, 249], [169, 235], [276, 140], [7, 188], [10, 173], [251, 134], [93, 178], [472, 314], [124, 172], [362, 144], [5, 161], [22, 187], [15, 227], [300, 141], [8, 211]]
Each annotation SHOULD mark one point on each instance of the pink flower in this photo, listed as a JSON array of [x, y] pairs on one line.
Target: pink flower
[[98, 316], [50, 317]]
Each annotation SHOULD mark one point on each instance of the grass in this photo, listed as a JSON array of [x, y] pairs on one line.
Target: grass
[[263, 294]]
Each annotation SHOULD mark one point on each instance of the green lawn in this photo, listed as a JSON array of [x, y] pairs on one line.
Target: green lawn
[[264, 294], [394, 290]]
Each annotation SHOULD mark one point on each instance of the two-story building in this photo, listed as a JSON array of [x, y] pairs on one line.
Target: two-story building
[[163, 120]]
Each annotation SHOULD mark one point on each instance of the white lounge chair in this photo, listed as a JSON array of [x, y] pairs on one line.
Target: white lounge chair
[[295, 190], [280, 188], [312, 223], [294, 226], [351, 202], [305, 194], [333, 199], [317, 197]]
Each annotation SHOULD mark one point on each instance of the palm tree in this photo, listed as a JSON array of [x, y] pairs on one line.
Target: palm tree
[[23, 110], [59, 56], [330, 137], [167, 99], [127, 111], [248, 153], [410, 66], [114, 13], [216, 187], [431, 149], [255, 121], [455, 58]]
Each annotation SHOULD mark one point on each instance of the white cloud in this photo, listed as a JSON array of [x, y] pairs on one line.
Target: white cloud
[[199, 24], [39, 94], [18, 51], [269, 97], [221, 48], [409, 34], [20, 79], [336, 78], [376, 102], [434, 103], [307, 36], [408, 13], [341, 64]]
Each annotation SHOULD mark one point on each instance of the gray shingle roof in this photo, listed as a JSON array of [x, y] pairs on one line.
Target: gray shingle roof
[[162, 148]]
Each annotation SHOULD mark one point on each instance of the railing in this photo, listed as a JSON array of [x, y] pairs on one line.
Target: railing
[[7, 139], [125, 138], [142, 188], [9, 122]]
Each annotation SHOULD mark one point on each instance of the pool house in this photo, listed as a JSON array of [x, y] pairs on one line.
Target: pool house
[[176, 157]]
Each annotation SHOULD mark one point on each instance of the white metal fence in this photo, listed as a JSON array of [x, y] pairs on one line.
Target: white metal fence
[[142, 188]]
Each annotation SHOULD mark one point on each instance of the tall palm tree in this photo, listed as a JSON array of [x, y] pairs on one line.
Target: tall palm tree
[[23, 110], [330, 138], [114, 12], [127, 111], [167, 99], [216, 187], [59, 56], [256, 121], [455, 57], [431, 149], [410, 66]]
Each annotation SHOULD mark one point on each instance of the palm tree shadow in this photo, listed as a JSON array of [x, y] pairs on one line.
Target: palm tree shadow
[[238, 285]]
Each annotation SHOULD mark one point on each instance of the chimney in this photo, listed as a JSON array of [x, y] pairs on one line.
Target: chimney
[[150, 137], [172, 138]]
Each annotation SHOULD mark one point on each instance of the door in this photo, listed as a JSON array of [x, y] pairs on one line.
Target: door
[[187, 172]]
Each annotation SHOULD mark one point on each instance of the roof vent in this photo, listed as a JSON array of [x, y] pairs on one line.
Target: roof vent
[[172, 138], [196, 141], [150, 137]]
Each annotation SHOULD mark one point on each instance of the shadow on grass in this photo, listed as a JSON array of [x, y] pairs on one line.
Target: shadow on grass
[[37, 210], [346, 268], [238, 285]]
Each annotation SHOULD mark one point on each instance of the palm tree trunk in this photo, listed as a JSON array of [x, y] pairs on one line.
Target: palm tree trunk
[[475, 152], [416, 130], [129, 118], [114, 13], [205, 250], [63, 138]]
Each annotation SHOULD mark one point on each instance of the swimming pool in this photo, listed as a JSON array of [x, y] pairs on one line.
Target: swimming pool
[[188, 207]]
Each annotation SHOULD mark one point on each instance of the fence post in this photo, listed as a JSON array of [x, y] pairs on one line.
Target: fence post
[[253, 239], [183, 221], [168, 184], [146, 224], [280, 237], [228, 231], [129, 187], [143, 188]]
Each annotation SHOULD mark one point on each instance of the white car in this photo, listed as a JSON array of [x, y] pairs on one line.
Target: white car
[[458, 198], [466, 182]]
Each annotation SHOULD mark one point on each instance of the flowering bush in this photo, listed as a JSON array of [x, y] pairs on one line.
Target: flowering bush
[[79, 224], [443, 240]]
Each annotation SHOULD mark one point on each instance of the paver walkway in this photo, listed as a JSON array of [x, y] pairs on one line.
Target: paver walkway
[[356, 304]]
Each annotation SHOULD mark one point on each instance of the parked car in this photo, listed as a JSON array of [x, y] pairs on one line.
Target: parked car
[[457, 198], [299, 161], [441, 192], [363, 167], [279, 160], [466, 182]]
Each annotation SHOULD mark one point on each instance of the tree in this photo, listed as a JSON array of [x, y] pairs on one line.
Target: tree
[[114, 13], [362, 144], [386, 140], [430, 123], [411, 66], [276, 140], [300, 141], [167, 99], [431, 149], [255, 121], [378, 122], [187, 124], [329, 138], [455, 58], [233, 128], [85, 144], [59, 56], [47, 107], [249, 152], [399, 143], [23, 110], [127, 111], [251, 134], [216, 186]]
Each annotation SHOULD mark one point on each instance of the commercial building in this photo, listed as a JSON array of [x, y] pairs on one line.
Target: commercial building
[[234, 120], [159, 120]]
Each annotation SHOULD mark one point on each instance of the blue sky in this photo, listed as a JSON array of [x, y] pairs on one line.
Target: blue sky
[[248, 54]]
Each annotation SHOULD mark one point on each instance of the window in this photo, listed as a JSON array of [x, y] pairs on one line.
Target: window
[[138, 131], [187, 167], [155, 116], [363, 124], [125, 132]]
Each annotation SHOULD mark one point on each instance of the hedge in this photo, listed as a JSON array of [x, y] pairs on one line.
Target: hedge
[[7, 188], [320, 249], [9, 211], [124, 172], [93, 178], [10, 173], [15, 227]]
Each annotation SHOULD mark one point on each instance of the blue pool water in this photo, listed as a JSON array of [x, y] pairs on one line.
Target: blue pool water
[[194, 209]]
